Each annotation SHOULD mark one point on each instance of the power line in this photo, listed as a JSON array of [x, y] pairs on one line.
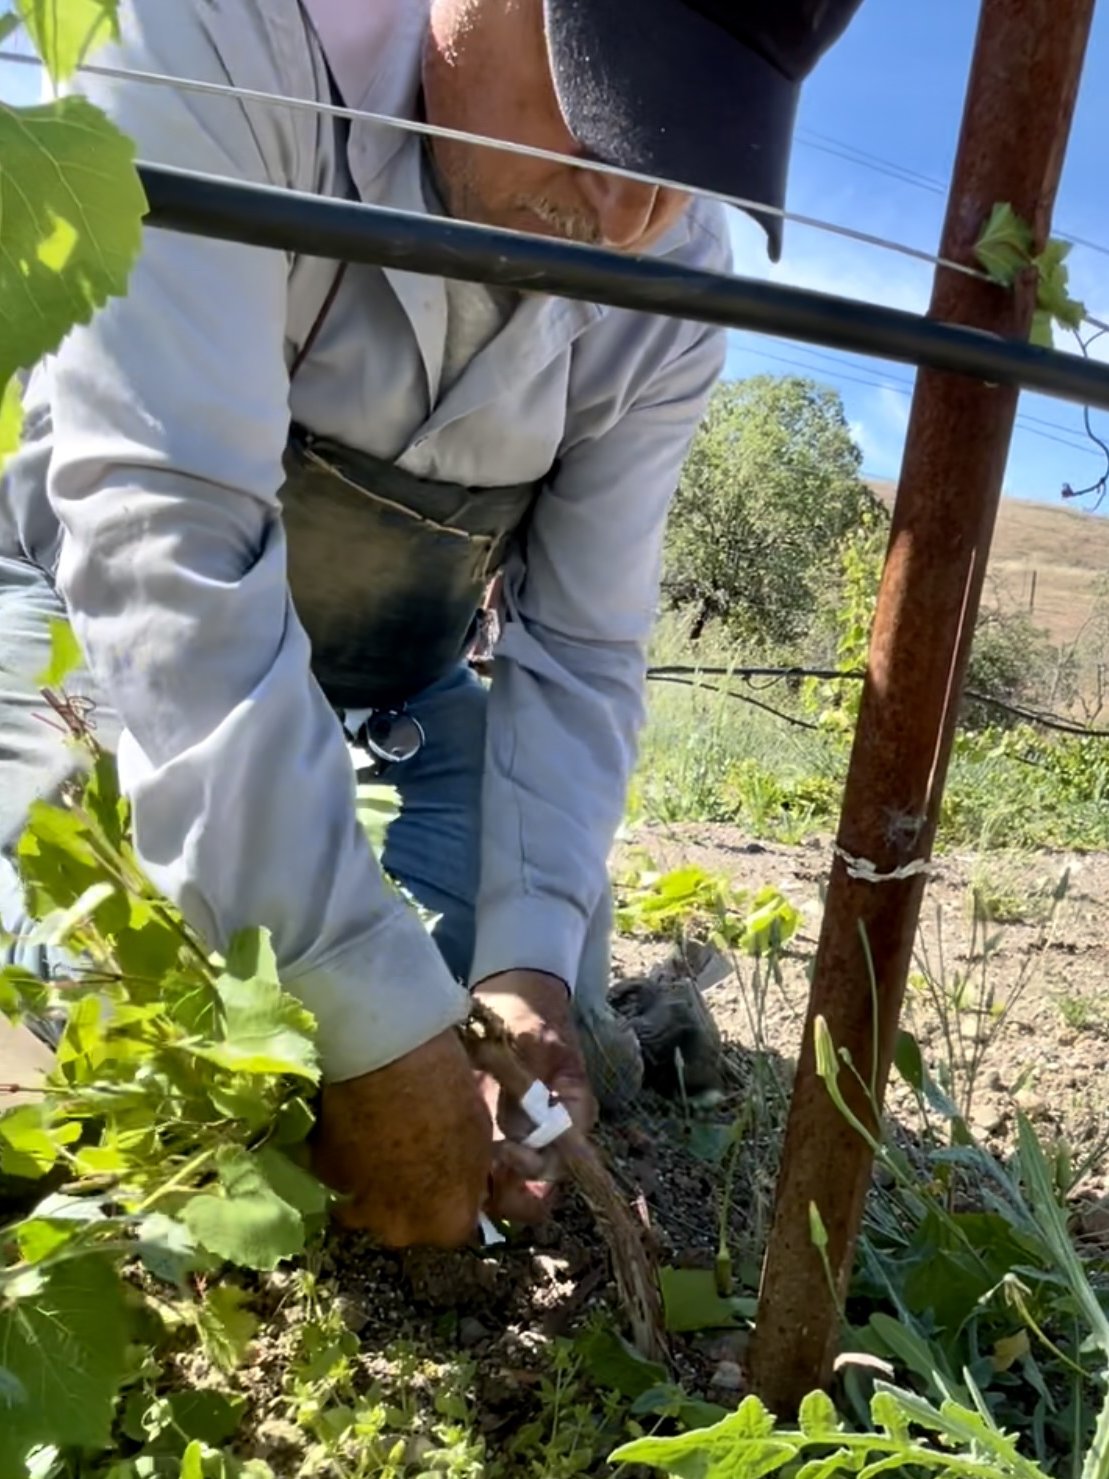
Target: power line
[[905, 388], [852, 154], [840, 149], [1026, 417], [690, 675]]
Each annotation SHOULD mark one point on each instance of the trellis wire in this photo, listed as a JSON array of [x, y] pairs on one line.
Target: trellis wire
[[529, 151], [689, 675]]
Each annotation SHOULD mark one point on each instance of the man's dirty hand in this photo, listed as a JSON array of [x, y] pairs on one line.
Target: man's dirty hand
[[410, 1146], [538, 1011]]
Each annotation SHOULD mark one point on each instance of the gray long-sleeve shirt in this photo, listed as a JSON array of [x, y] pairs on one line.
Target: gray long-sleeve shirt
[[160, 521]]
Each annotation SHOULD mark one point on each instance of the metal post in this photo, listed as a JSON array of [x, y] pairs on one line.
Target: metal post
[[1020, 101]]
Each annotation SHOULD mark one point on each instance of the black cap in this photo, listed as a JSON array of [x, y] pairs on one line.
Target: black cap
[[700, 91]]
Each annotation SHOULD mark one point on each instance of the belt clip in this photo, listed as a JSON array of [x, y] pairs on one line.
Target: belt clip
[[388, 736]]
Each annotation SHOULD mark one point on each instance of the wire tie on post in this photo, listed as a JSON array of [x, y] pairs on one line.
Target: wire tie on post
[[867, 872]]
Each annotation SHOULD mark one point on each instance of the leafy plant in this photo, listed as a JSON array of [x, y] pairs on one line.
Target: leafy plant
[[165, 1141], [71, 203], [749, 1443], [985, 1303], [1005, 251], [967, 1000], [687, 900]]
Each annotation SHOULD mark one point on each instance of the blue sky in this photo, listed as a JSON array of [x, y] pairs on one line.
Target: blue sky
[[893, 88]]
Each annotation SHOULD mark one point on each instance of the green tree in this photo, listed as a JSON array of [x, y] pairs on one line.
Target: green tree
[[1011, 660], [769, 490]]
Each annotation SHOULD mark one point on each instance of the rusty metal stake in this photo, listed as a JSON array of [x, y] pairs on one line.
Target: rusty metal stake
[[1020, 101]]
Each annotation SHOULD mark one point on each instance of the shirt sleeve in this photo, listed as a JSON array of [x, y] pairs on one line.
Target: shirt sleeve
[[566, 699], [169, 426]]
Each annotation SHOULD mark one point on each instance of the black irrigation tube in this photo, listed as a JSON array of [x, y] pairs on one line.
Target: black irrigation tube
[[312, 225]]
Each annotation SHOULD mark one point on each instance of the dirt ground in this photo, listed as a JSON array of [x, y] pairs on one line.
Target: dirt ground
[[1034, 1017], [498, 1311]]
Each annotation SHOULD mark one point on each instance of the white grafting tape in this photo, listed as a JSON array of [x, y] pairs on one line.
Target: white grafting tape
[[489, 1233], [550, 1119], [536, 1102], [556, 1123]]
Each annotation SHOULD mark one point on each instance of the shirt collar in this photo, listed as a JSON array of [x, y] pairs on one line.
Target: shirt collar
[[373, 45]]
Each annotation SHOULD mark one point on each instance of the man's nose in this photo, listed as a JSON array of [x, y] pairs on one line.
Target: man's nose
[[623, 208]]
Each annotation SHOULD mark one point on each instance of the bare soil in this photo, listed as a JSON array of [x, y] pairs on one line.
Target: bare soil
[[500, 1310]]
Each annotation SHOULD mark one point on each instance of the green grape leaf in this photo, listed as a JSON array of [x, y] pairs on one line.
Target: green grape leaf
[[63, 1347], [167, 1248], [29, 1144], [1054, 294], [908, 1060], [64, 32], [245, 1221], [38, 1237], [65, 655], [108, 809], [293, 1122], [817, 1417], [1005, 246], [60, 924], [743, 1446], [203, 1416], [1042, 333], [691, 1301], [56, 1220], [612, 1362], [200, 1461], [11, 419], [21, 991], [292, 1183], [72, 207], [265, 1030], [225, 1328], [377, 805], [55, 860]]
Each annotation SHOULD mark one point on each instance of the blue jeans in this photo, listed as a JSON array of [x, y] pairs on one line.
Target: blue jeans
[[432, 848]]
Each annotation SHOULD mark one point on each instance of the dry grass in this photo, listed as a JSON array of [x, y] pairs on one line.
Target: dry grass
[[1046, 560]]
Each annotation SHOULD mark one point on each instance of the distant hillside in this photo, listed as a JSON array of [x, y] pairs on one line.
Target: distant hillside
[[1046, 559]]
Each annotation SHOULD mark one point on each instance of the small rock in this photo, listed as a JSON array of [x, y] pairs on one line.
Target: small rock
[[352, 1312], [277, 1436], [531, 1342], [1093, 1222], [989, 1119], [553, 1269], [728, 1377], [471, 1332], [1034, 1105], [883, 1176], [724, 1346]]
